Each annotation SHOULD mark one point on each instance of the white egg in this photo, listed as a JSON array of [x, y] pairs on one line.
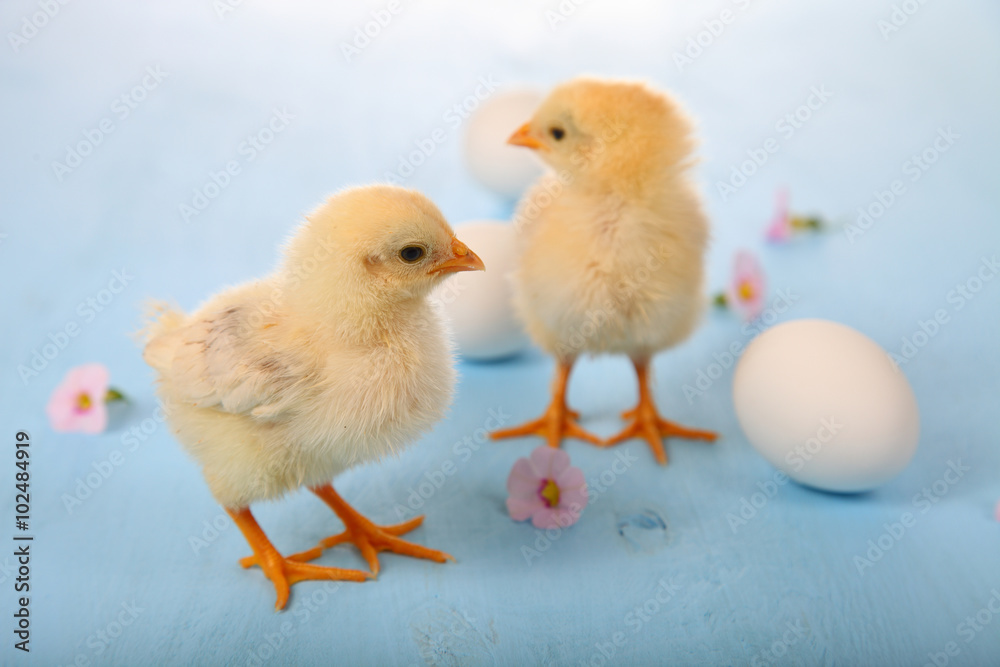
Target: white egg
[[826, 405], [505, 169], [478, 304]]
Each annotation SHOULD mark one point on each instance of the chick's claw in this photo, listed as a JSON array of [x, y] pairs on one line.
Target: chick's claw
[[648, 425], [369, 538], [557, 423], [283, 572]]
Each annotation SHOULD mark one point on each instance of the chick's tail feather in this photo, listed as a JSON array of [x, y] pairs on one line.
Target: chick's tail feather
[[159, 318]]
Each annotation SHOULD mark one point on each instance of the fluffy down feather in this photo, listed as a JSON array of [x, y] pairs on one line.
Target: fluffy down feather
[[613, 239], [335, 359]]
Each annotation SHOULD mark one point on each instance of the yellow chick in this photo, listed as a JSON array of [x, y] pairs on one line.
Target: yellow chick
[[335, 359], [611, 243]]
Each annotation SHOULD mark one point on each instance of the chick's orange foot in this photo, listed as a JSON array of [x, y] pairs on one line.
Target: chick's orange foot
[[365, 535], [557, 422], [283, 572], [647, 423]]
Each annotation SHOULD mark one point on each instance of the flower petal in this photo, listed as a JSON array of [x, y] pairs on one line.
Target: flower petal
[[61, 408], [522, 481], [572, 490], [574, 499], [779, 231], [522, 508], [94, 420], [546, 518], [548, 462], [570, 478], [746, 269], [554, 517], [92, 378]]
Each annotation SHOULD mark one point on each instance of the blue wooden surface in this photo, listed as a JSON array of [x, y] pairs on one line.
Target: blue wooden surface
[[654, 572]]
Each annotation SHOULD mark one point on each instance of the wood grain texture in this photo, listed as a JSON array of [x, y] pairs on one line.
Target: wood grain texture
[[654, 573]]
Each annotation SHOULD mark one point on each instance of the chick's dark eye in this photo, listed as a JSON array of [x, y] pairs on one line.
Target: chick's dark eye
[[557, 133], [411, 253]]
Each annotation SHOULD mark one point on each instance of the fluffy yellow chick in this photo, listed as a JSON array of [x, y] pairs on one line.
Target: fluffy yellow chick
[[335, 359], [612, 243]]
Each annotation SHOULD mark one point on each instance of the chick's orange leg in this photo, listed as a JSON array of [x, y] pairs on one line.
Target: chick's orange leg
[[558, 421], [283, 572], [367, 537], [647, 423]]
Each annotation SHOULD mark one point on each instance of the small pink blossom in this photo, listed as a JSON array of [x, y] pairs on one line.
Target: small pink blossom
[[546, 489], [781, 224], [747, 290], [78, 403], [785, 224], [998, 512]]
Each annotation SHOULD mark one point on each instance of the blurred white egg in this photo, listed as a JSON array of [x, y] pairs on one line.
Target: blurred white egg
[[505, 169], [478, 303], [826, 405]]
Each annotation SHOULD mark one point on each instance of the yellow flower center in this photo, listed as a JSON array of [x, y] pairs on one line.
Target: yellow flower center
[[746, 290], [83, 402], [550, 492]]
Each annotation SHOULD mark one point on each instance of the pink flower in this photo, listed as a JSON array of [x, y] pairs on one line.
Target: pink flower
[[747, 290], [546, 489], [78, 403], [998, 512], [781, 224], [784, 224]]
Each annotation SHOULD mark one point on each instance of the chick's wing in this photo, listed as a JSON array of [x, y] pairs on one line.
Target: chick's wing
[[221, 359]]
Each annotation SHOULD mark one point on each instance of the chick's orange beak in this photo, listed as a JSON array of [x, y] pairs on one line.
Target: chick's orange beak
[[523, 137], [462, 259]]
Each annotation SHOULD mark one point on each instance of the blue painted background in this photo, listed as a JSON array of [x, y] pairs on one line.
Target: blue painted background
[[654, 563]]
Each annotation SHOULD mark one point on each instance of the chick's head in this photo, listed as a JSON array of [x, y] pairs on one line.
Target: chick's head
[[380, 240], [608, 130]]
